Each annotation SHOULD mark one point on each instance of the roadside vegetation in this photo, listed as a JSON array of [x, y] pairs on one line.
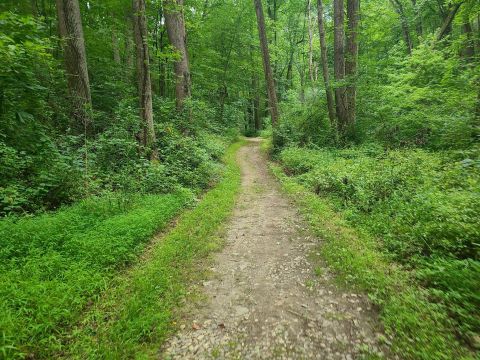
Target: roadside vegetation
[[396, 196], [114, 119], [401, 235], [54, 265], [398, 203], [57, 266], [138, 312]]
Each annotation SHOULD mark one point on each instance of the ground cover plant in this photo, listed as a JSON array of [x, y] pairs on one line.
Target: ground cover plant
[[139, 311], [419, 213], [54, 265], [115, 116], [57, 265]]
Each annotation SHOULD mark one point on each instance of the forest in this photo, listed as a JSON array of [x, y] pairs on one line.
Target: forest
[[122, 124]]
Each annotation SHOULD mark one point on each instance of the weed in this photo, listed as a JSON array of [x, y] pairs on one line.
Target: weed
[[133, 317], [422, 328]]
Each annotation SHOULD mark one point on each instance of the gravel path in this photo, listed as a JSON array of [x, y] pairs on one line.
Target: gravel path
[[270, 296]]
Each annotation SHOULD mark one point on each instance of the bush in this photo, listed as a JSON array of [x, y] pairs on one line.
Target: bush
[[303, 123], [186, 159], [43, 179], [425, 100], [424, 206]]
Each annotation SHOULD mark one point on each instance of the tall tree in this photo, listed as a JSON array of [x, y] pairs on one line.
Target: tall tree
[[323, 59], [272, 95], [75, 58], [339, 65], [272, 11], [310, 40], [469, 48], [351, 59], [115, 48], [143, 77], [159, 36], [398, 6], [175, 23], [418, 18], [446, 27]]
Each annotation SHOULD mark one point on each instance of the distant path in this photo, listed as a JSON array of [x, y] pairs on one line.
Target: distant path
[[265, 300]]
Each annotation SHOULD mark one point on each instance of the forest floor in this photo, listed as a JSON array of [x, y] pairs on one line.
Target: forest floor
[[270, 295]]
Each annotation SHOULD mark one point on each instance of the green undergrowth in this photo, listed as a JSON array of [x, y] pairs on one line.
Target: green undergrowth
[[419, 315], [136, 313], [54, 265]]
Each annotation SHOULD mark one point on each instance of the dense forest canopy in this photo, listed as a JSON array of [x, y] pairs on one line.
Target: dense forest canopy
[[373, 103], [414, 84]]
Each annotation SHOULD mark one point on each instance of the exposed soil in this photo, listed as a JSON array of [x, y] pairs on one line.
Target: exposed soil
[[271, 297]]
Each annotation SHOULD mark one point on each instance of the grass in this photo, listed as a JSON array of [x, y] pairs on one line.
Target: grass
[[54, 265], [421, 329], [136, 314], [67, 273]]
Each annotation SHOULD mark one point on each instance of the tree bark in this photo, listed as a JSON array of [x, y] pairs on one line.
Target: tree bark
[[129, 51], [143, 78], [469, 48], [351, 60], [115, 48], [175, 23], [310, 41], [339, 65], [324, 57], [418, 19], [75, 58], [272, 96], [162, 76], [272, 14], [256, 104], [398, 6], [447, 22]]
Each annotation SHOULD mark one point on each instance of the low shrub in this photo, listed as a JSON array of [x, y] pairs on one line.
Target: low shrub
[[423, 206]]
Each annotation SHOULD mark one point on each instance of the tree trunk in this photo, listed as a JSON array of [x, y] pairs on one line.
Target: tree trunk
[[129, 52], [418, 19], [115, 48], [446, 27], [175, 23], [323, 55], [272, 96], [272, 14], [143, 77], [397, 5], [256, 104], [310, 41], [351, 59], [71, 33], [339, 66], [289, 76], [162, 76], [469, 48]]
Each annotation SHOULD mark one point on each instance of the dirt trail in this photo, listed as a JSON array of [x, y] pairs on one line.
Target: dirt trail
[[269, 299]]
